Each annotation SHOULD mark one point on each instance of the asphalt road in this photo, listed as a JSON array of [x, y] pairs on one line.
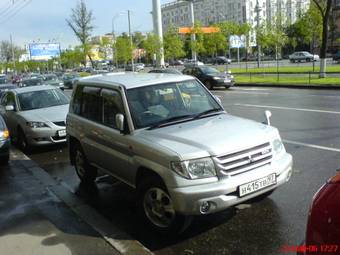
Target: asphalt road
[[309, 123]]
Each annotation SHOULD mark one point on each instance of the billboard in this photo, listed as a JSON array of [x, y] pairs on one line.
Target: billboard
[[44, 51], [236, 41]]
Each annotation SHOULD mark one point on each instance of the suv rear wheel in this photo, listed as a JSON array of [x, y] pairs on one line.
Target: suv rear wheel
[[156, 208], [84, 170]]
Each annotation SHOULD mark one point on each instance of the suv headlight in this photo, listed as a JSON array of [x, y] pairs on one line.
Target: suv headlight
[[278, 146], [216, 78], [4, 135], [195, 169], [36, 124]]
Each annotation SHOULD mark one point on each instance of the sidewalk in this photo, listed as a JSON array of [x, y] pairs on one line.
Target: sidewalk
[[35, 221]]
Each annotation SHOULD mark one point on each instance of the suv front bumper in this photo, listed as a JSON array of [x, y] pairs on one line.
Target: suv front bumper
[[224, 193]]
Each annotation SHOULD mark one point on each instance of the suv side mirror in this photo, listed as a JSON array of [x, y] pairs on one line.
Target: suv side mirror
[[267, 114], [9, 107], [120, 121]]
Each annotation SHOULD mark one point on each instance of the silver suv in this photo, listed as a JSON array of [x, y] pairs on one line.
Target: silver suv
[[170, 138]]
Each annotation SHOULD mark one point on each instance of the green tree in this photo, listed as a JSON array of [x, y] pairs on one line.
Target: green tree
[[6, 54], [123, 49], [214, 43], [80, 22], [71, 58], [325, 8], [152, 46], [198, 44], [173, 44]]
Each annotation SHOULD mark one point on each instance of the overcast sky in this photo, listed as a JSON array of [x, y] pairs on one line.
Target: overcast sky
[[44, 20]]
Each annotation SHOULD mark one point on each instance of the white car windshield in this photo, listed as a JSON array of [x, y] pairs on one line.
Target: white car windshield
[[165, 103], [42, 99]]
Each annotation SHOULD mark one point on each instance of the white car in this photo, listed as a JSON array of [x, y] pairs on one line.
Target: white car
[[300, 56]]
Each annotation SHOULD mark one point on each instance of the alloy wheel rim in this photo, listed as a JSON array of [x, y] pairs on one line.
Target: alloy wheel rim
[[80, 163], [158, 207]]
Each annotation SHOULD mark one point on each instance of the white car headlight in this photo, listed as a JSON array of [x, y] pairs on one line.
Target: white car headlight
[[36, 124], [278, 146], [216, 78], [195, 169]]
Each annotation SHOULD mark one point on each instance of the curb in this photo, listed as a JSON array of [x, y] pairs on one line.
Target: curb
[[119, 240], [289, 86]]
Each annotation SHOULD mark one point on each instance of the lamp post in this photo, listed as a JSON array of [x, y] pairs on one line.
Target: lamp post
[[257, 10], [130, 35], [114, 48], [193, 35], [158, 30]]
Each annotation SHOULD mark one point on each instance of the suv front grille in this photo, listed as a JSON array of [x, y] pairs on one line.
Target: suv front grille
[[245, 160]]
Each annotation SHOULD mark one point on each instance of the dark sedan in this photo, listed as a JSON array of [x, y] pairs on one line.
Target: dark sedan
[[4, 142], [210, 76], [70, 79]]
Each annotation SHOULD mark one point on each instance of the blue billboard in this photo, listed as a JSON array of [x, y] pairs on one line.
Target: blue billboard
[[44, 51]]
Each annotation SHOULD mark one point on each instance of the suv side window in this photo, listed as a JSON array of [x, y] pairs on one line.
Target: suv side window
[[4, 100], [91, 104], [11, 100], [76, 104], [112, 104]]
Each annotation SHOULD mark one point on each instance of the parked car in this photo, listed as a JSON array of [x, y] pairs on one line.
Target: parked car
[[4, 142], [5, 87], [137, 67], [70, 79], [192, 62], [210, 77], [165, 70], [35, 115], [336, 56], [300, 56], [27, 82], [176, 62], [221, 60], [323, 225], [170, 138], [53, 80], [3, 79]]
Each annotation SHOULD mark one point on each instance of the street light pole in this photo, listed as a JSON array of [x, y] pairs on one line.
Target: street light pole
[[157, 21], [257, 10], [114, 49], [130, 35], [12, 49], [193, 35]]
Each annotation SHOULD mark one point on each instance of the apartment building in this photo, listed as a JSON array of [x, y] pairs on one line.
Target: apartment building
[[207, 12]]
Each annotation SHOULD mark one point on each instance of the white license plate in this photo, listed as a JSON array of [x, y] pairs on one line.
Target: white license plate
[[226, 80], [254, 186], [62, 133]]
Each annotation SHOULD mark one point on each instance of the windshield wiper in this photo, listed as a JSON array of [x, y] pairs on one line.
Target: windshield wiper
[[202, 114], [172, 120]]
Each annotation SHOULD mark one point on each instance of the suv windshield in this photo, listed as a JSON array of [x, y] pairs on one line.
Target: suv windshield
[[41, 99], [165, 103]]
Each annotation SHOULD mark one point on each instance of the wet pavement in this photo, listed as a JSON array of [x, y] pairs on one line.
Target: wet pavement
[[33, 221], [309, 123]]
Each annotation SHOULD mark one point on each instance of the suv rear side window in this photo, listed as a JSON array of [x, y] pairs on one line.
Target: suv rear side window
[[91, 104]]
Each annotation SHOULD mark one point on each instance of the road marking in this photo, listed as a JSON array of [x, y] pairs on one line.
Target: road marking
[[250, 93], [250, 89], [287, 108], [312, 146]]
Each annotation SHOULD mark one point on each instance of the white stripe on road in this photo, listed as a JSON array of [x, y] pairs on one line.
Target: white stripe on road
[[287, 108], [312, 146], [249, 93]]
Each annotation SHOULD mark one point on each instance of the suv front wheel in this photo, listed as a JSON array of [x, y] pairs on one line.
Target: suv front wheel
[[84, 170], [156, 208]]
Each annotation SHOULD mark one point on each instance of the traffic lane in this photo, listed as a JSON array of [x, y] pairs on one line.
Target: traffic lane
[[308, 125]]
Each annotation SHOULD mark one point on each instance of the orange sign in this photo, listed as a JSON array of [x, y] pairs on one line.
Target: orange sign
[[204, 30]]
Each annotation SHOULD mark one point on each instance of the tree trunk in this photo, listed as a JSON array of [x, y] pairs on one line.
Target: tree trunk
[[323, 49]]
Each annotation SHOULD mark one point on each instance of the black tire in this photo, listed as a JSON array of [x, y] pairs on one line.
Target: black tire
[[170, 223], [261, 197], [308, 59], [86, 172], [4, 160], [22, 141], [209, 85]]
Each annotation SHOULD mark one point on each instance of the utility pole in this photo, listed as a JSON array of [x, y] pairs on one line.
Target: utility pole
[[12, 48], [257, 10], [114, 50], [130, 35], [158, 29], [193, 35]]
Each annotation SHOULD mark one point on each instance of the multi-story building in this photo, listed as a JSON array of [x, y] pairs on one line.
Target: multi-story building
[[207, 12]]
